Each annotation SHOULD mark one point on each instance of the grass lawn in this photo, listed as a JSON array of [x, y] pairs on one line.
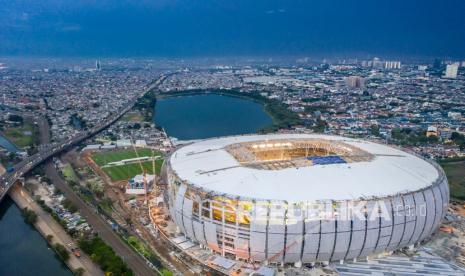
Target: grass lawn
[[103, 158], [124, 172], [69, 173], [22, 136], [455, 172], [133, 116]]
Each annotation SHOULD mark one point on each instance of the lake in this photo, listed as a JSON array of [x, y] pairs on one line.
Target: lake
[[23, 251], [209, 115]]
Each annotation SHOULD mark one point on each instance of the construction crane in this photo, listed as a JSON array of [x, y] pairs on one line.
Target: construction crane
[[143, 170]]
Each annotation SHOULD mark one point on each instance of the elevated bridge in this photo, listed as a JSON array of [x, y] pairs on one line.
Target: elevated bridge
[[49, 150]]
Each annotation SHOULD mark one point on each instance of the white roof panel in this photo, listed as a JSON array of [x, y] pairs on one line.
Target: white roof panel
[[390, 172]]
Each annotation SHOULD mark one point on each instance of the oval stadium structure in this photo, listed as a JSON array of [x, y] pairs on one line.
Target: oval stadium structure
[[303, 198]]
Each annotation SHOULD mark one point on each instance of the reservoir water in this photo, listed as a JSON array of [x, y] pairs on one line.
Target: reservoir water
[[23, 251], [209, 115]]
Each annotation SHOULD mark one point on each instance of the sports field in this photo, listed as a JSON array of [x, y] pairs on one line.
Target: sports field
[[105, 157], [124, 172]]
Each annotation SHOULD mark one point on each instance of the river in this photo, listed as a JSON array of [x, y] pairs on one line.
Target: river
[[209, 115], [6, 144], [23, 251]]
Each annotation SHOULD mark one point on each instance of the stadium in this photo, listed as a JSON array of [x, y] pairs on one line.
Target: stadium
[[303, 198]]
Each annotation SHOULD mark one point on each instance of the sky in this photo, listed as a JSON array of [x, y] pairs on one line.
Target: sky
[[215, 28]]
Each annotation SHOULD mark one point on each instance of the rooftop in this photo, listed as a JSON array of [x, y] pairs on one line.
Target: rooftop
[[300, 167]]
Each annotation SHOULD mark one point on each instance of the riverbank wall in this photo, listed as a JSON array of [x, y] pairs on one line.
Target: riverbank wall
[[46, 225]]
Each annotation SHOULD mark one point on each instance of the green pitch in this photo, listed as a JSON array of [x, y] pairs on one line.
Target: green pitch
[[124, 172]]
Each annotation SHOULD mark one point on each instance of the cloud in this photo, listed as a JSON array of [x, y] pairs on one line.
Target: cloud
[[275, 11], [24, 16], [69, 28]]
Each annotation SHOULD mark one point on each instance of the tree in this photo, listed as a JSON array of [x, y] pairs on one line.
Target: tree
[[61, 251], [79, 271], [49, 238], [104, 255], [375, 130], [69, 206], [15, 118], [29, 216], [320, 126]]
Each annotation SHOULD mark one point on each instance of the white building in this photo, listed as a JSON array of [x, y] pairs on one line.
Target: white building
[[392, 65], [136, 185], [451, 70], [422, 67], [303, 198]]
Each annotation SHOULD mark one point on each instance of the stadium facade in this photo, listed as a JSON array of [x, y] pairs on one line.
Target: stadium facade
[[303, 198]]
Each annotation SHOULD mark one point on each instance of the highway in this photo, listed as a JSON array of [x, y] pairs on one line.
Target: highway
[[134, 261], [7, 180]]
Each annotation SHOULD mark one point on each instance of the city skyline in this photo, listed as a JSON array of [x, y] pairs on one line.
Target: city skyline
[[214, 137]]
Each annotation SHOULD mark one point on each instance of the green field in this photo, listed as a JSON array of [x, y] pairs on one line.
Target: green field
[[132, 117], [69, 174], [22, 136], [103, 158], [124, 172], [455, 172]]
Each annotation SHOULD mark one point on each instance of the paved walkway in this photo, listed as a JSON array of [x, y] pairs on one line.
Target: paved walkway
[[46, 225]]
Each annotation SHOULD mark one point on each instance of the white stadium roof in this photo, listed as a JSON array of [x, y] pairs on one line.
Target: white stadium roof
[[390, 172]]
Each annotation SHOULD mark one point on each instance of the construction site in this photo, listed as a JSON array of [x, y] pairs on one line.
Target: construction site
[[195, 230]]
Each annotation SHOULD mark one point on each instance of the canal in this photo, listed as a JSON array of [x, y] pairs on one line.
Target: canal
[[23, 251], [6, 144]]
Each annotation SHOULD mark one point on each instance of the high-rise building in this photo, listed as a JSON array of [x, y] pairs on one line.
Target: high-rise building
[[392, 65], [355, 82], [98, 66], [451, 70], [377, 63]]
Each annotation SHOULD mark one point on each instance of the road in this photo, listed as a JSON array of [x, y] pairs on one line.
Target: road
[[134, 261], [48, 226], [7, 180]]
